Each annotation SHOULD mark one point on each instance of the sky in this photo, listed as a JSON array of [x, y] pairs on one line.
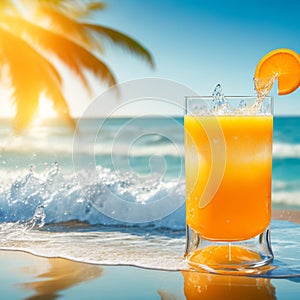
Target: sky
[[196, 43], [200, 43]]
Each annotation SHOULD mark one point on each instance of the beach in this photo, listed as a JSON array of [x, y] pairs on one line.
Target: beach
[[25, 276]]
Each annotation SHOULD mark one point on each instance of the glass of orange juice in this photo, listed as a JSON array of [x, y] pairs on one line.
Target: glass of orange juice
[[228, 161]]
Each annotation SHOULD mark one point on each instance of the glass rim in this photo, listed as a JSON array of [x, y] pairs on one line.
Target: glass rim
[[227, 96], [233, 99]]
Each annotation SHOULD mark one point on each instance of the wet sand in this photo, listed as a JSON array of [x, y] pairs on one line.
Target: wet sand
[[25, 276], [28, 277]]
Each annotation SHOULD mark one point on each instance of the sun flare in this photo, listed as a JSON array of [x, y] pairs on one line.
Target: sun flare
[[45, 111]]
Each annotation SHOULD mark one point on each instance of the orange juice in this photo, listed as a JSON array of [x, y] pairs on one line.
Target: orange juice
[[240, 204]]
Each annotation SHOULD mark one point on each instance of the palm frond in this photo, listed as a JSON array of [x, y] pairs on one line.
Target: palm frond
[[85, 8], [7, 7], [96, 5], [70, 27], [92, 35], [74, 9], [122, 40], [31, 74], [76, 57], [25, 47]]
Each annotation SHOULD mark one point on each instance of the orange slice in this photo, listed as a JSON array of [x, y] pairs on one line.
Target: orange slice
[[283, 64]]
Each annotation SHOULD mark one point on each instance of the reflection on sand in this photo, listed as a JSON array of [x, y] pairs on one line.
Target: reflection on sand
[[62, 274], [211, 286]]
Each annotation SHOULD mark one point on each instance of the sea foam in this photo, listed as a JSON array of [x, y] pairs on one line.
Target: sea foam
[[63, 199]]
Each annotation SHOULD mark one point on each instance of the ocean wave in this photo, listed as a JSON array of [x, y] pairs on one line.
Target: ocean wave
[[138, 151], [142, 146], [123, 148], [286, 150], [280, 150], [103, 197], [287, 185], [288, 198]]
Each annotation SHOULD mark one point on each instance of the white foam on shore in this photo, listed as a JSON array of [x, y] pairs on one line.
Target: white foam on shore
[[115, 247], [161, 250]]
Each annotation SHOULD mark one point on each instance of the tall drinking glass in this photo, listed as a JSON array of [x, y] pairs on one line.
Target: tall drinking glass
[[228, 160]]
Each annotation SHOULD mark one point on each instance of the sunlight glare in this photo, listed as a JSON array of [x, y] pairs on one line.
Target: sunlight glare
[[46, 110]]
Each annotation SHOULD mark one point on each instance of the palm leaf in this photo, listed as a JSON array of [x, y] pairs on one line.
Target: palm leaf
[[7, 5], [24, 47], [84, 33], [67, 26], [76, 57], [30, 80], [74, 9], [83, 9], [122, 40], [95, 6]]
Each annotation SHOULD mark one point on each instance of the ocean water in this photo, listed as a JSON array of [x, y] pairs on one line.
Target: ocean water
[[114, 180]]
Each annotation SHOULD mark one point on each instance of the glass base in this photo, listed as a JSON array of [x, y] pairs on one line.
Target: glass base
[[235, 257]]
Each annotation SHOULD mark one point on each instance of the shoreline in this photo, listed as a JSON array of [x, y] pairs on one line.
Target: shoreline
[[53, 244]]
